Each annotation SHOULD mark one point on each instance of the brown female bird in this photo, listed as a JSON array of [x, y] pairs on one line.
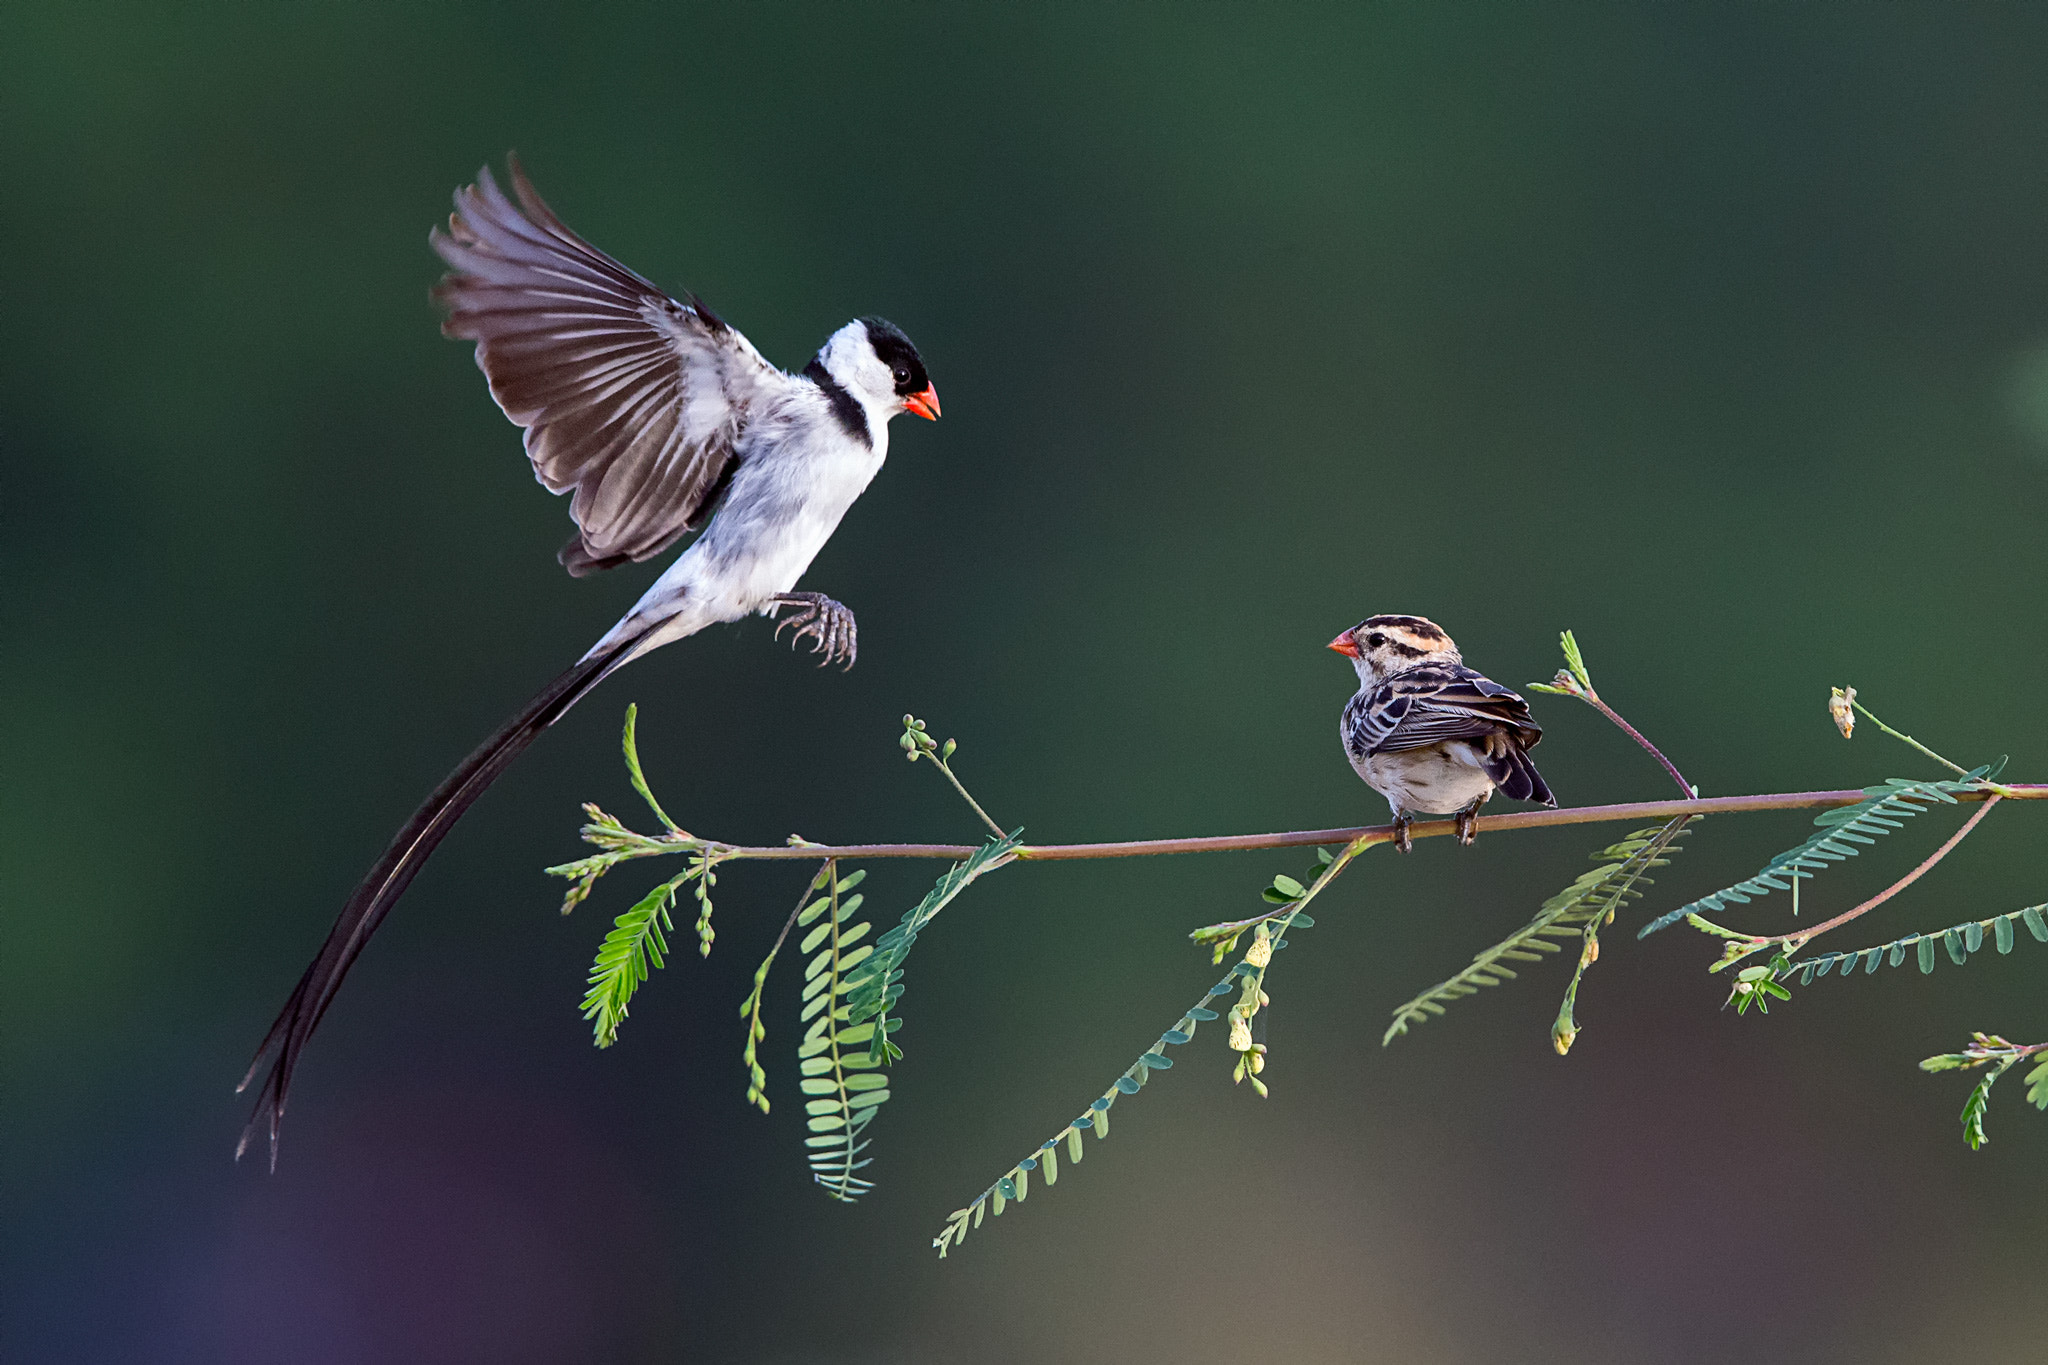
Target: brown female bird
[[1429, 734]]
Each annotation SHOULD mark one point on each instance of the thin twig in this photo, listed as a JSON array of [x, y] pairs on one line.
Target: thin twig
[[1801, 938], [1575, 680], [752, 1004], [1593, 699], [1000, 832], [1372, 834], [803, 899], [1905, 737], [918, 743]]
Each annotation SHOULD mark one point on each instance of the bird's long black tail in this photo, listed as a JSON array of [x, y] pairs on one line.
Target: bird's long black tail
[[393, 872]]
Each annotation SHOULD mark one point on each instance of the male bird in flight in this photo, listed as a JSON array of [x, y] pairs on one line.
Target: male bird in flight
[[658, 415], [1428, 733]]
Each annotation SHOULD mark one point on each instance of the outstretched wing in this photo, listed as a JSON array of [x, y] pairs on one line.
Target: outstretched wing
[[629, 397], [1435, 702]]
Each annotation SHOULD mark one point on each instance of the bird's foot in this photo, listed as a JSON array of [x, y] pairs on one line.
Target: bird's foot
[[1402, 824], [827, 624], [1467, 817]]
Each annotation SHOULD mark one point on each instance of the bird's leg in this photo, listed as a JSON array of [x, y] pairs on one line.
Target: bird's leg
[[1468, 815], [828, 624], [1402, 821]]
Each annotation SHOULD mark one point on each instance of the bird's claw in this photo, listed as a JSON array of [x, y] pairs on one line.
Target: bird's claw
[[1402, 841], [1468, 817], [826, 623]]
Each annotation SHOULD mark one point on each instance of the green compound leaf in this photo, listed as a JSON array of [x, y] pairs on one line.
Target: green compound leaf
[[875, 991], [1841, 831], [844, 1090], [849, 996], [1959, 941], [1573, 679], [2037, 1085], [1975, 1107], [638, 945], [635, 946], [1590, 900], [1997, 1056], [1095, 1118]]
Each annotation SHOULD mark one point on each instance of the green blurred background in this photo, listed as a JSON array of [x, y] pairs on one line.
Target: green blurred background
[[1713, 333]]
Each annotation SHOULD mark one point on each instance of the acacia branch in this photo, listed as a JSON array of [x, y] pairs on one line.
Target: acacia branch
[[1800, 938], [1306, 838]]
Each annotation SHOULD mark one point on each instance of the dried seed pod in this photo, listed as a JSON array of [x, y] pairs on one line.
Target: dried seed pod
[[1841, 707]]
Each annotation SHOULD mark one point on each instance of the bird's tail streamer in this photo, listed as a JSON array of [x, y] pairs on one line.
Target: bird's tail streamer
[[393, 872]]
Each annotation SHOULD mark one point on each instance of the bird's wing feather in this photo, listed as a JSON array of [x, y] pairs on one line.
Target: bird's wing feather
[[629, 397], [1432, 703]]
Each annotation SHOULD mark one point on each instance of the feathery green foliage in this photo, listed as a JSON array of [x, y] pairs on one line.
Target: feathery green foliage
[[1578, 911], [635, 946], [1842, 829], [1285, 894], [1757, 986], [1247, 977], [1959, 941], [1574, 680], [852, 983], [619, 843], [1621, 888], [878, 989], [637, 943], [1975, 1107], [850, 986], [2000, 1056], [1015, 1183], [841, 1081]]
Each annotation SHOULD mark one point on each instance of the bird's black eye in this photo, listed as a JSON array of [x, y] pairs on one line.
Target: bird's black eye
[[1375, 640], [902, 376]]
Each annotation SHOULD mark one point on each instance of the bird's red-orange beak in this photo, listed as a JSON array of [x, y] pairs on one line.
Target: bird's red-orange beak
[[1344, 644], [925, 404]]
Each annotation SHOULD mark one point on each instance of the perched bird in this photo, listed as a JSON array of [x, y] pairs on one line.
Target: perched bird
[[658, 415], [1429, 734]]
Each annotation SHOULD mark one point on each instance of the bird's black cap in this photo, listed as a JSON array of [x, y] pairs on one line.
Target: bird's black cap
[[895, 351]]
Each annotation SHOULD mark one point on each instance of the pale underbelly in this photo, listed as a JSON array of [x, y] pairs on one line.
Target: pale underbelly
[[1440, 780], [740, 568]]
